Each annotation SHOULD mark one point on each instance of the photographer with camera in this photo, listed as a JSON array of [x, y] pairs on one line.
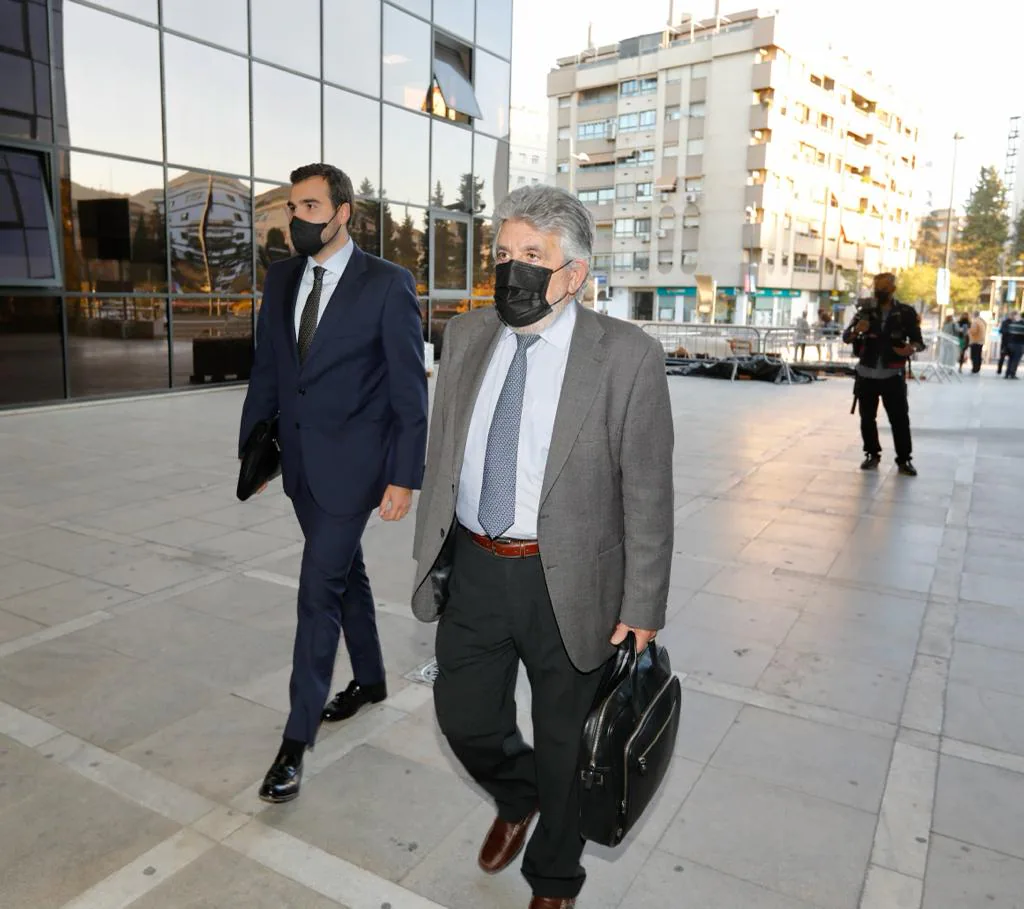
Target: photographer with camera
[[885, 334]]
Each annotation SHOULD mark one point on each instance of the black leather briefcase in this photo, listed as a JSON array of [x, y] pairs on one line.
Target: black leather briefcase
[[261, 459], [628, 741]]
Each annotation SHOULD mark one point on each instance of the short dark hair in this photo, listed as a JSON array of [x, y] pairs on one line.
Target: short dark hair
[[886, 276], [338, 183]]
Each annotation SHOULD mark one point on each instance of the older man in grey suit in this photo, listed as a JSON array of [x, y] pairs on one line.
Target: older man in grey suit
[[544, 529]]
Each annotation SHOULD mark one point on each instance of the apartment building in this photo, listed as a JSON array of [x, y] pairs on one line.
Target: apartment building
[[719, 147], [528, 145]]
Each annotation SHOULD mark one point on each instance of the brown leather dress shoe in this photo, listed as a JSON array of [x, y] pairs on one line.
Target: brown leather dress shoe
[[504, 842], [552, 902]]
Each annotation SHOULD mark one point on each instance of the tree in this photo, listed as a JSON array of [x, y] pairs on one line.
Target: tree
[[1017, 248], [471, 194], [986, 228], [964, 290], [929, 246], [917, 284]]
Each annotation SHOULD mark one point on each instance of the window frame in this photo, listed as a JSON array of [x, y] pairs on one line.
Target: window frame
[[45, 159]]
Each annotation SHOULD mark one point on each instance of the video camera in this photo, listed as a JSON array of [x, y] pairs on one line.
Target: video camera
[[867, 307]]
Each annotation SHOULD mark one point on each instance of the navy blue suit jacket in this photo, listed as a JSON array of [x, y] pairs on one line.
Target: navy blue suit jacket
[[353, 416]]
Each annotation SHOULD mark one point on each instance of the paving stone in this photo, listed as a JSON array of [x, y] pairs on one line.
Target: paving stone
[[994, 719], [961, 876], [980, 805]]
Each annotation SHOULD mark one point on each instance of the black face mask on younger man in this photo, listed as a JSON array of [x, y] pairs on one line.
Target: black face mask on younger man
[[521, 292], [306, 236]]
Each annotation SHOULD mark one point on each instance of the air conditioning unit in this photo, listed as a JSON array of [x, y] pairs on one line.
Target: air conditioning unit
[[644, 238], [662, 234], [610, 131], [693, 197]]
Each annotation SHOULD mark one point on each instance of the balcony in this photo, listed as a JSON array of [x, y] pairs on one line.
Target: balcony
[[754, 196], [762, 76], [752, 236], [760, 116], [757, 156]]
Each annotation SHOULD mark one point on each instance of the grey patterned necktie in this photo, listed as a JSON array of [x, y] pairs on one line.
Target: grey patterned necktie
[[310, 312], [497, 512]]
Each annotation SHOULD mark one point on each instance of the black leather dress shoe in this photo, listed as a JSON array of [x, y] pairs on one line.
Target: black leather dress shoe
[[283, 779], [346, 703]]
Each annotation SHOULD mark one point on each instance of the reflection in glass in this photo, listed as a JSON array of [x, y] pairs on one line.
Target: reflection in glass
[[492, 88], [450, 244], [352, 44], [288, 35], [286, 122], [31, 355], [211, 233], [105, 111], [273, 242], [25, 110], [207, 107], [406, 176], [223, 22], [483, 257], [452, 156], [365, 226], [406, 56], [27, 234], [212, 341], [141, 9], [116, 345], [402, 229], [494, 26], [455, 16], [490, 168], [420, 7], [352, 138], [114, 230], [441, 313]]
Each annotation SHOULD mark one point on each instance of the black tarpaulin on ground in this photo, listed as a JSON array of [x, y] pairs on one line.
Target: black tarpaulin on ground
[[758, 368]]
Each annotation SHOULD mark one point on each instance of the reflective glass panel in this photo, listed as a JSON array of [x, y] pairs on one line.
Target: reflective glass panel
[[273, 242], [141, 9], [490, 167], [207, 107], [483, 258], [494, 25], [365, 226], [106, 112], [406, 54], [115, 239], [420, 7], [352, 44], [31, 355], [352, 138], [212, 341], [288, 35], [211, 233], [492, 87], [441, 313], [224, 22], [25, 110], [403, 229], [116, 345], [449, 244], [27, 232], [455, 16], [286, 122], [451, 183], [406, 175]]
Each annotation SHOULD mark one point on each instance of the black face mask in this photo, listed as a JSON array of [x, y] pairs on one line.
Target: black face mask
[[521, 292], [883, 296], [306, 235]]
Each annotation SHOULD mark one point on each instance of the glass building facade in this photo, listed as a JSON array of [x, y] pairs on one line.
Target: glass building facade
[[145, 148]]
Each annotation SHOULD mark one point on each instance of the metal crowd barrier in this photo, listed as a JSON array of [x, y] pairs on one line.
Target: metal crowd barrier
[[939, 361]]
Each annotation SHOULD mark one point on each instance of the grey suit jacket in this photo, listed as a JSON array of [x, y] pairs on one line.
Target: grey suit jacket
[[607, 504]]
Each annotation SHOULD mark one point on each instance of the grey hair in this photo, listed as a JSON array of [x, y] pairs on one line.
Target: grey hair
[[551, 210]]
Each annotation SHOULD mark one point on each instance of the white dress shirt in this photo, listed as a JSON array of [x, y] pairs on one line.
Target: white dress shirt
[[334, 268], [545, 370]]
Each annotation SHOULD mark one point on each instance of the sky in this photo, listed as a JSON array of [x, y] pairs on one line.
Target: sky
[[964, 71]]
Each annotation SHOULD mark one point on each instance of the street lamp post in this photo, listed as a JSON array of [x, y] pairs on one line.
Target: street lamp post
[[751, 219], [582, 157], [949, 219]]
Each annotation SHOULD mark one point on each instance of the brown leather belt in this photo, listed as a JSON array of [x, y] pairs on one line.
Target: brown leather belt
[[505, 548]]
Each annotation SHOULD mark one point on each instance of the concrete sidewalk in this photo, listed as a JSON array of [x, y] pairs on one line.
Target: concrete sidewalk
[[853, 724]]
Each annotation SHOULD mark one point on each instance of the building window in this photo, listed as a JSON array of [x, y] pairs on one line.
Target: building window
[[689, 259], [562, 167], [695, 147], [645, 86], [785, 260], [666, 223], [623, 261], [644, 192], [672, 112], [451, 93], [690, 221], [601, 262], [624, 227], [769, 259], [625, 191], [665, 257], [646, 155], [592, 129], [674, 74], [535, 159], [694, 184], [520, 180], [565, 101], [564, 135], [697, 110], [643, 227], [641, 261], [28, 237], [630, 123], [671, 150], [597, 196], [700, 70], [604, 95]]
